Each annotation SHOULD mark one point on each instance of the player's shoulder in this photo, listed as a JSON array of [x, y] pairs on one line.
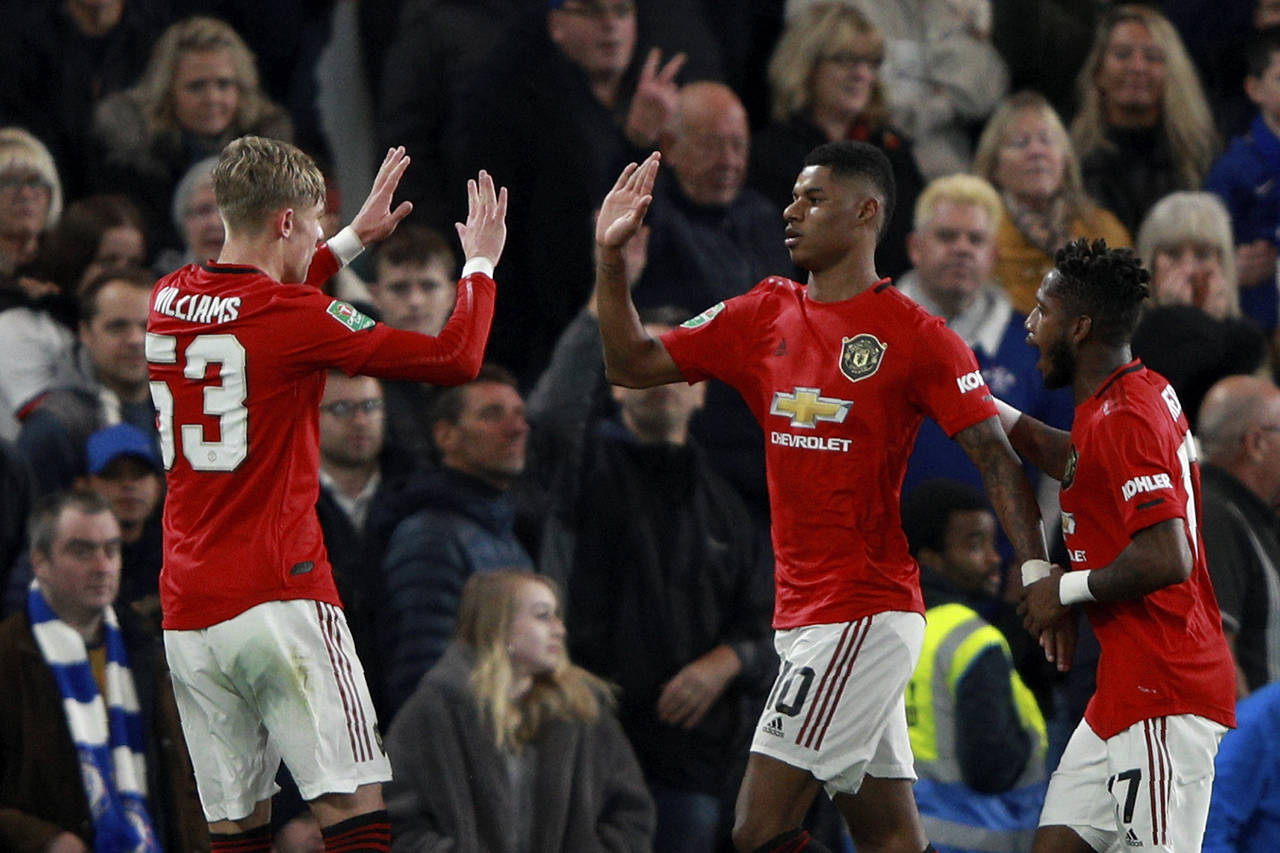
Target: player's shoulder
[[901, 307], [777, 287]]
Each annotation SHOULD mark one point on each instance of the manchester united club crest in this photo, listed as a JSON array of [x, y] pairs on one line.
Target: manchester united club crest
[[1069, 476], [860, 356]]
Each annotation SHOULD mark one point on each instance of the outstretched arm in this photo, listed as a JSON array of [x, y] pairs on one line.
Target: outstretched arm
[[1045, 447], [631, 356]]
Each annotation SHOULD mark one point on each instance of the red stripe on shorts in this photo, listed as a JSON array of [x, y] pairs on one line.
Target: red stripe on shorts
[[820, 694], [828, 694], [844, 679], [353, 710], [1158, 775]]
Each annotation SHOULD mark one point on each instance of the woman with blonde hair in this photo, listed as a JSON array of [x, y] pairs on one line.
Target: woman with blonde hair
[[30, 196], [825, 79], [506, 746], [1144, 128], [200, 91], [1186, 243], [1025, 153]]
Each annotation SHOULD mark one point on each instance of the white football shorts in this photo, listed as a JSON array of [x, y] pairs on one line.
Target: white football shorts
[[837, 707], [1146, 788], [280, 680]]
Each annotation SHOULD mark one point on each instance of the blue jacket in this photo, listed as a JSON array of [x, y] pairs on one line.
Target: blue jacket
[[461, 526], [1244, 814], [1247, 177]]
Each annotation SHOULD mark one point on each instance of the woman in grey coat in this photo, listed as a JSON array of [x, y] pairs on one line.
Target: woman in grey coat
[[507, 747]]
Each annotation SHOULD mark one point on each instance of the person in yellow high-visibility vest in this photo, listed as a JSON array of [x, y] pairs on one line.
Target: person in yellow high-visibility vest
[[977, 733]]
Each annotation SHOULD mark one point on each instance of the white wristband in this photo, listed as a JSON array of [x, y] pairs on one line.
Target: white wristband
[[1034, 570], [1073, 588], [345, 245], [1008, 415], [478, 264]]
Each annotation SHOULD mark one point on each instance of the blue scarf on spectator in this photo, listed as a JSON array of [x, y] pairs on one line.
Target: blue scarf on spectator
[[107, 735]]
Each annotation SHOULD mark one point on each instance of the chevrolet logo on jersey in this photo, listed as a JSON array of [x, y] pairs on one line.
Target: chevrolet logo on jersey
[[807, 406], [860, 356]]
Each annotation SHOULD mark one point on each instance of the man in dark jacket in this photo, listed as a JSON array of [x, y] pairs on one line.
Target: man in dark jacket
[[449, 524], [667, 584]]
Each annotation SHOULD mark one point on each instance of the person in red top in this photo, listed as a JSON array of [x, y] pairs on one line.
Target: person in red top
[[1139, 768], [839, 372], [238, 351]]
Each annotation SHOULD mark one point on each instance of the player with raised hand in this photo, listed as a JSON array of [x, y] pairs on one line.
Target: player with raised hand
[[262, 661], [839, 373]]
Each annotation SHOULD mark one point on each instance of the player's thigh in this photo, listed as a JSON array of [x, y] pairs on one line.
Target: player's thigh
[[308, 685], [232, 758], [836, 708]]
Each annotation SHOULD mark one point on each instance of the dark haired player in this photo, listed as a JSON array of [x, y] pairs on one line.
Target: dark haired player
[[1138, 770], [840, 374]]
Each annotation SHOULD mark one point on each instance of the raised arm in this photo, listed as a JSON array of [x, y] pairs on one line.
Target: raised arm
[[632, 357]]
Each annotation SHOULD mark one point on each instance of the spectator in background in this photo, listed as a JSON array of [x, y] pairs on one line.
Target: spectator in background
[[69, 782], [1244, 813], [413, 288], [1247, 178], [1240, 474], [1144, 129], [825, 77], [953, 247], [553, 113], [123, 466], [450, 524], [64, 57], [1186, 240], [941, 73], [352, 480], [505, 745], [110, 384], [194, 213], [1026, 154], [35, 325], [95, 234], [977, 733], [666, 575], [30, 197], [200, 90], [1044, 43]]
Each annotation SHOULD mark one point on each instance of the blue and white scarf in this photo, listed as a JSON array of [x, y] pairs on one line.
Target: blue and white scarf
[[107, 735]]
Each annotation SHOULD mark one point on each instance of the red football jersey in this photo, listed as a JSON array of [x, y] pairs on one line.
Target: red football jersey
[[840, 389], [1134, 465], [238, 364]]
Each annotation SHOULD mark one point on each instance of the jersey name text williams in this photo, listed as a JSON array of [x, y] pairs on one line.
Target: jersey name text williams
[[196, 307]]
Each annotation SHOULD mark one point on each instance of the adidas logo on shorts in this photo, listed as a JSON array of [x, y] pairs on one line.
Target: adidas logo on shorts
[[1131, 838], [774, 727]]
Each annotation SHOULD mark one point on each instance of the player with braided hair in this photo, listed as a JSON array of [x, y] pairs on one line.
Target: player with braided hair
[[1139, 768]]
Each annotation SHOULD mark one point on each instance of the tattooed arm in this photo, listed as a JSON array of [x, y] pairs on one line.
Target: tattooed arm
[[1006, 485]]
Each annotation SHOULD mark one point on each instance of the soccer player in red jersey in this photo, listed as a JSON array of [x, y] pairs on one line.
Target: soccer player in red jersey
[[1139, 768], [262, 660], [840, 374]]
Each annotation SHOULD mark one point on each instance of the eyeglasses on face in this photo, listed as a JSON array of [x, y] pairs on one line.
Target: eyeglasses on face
[[345, 410]]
